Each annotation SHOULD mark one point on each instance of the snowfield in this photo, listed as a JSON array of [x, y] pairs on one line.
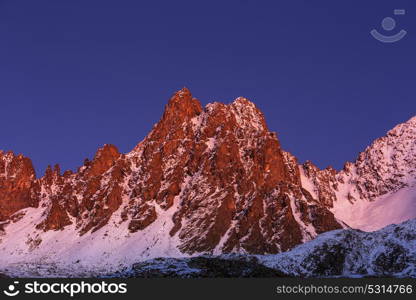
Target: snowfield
[[109, 249], [389, 252], [392, 208]]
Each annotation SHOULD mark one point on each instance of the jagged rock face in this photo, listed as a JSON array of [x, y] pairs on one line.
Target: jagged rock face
[[17, 187], [228, 176], [88, 197], [236, 164], [216, 174], [322, 183]]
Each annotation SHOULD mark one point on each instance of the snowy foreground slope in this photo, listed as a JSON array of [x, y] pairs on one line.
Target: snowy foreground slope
[[341, 253], [389, 252]]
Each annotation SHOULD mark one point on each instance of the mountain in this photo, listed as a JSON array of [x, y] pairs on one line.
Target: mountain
[[376, 190], [205, 180]]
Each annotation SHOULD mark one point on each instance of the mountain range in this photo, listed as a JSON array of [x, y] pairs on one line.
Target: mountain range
[[210, 180]]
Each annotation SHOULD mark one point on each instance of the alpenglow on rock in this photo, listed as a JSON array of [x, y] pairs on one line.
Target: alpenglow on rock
[[205, 180]]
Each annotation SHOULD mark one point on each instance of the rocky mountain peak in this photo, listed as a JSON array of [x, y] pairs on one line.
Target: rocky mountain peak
[[248, 115], [16, 166], [17, 177], [51, 174], [375, 190], [387, 165], [181, 107], [104, 158]]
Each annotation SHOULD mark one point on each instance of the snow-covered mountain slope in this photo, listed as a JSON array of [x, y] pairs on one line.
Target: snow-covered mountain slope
[[378, 189], [205, 180], [390, 251], [209, 180], [391, 208]]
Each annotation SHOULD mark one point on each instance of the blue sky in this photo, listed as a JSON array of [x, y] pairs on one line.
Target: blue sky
[[75, 75]]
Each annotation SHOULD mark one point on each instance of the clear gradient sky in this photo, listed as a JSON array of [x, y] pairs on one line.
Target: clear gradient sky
[[77, 74]]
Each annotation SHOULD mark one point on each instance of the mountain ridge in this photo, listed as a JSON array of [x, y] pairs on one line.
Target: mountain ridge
[[205, 180], [385, 168]]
